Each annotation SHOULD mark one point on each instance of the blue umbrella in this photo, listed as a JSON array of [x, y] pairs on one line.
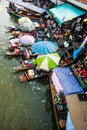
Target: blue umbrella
[[44, 47]]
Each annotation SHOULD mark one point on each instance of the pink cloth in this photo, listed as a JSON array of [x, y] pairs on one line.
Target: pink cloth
[[56, 82]]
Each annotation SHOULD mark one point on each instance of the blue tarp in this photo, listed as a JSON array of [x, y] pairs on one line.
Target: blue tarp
[[69, 124], [28, 6], [76, 52], [65, 12], [68, 81]]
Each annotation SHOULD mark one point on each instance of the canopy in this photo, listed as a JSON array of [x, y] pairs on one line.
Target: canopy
[[58, 2], [65, 12], [26, 40], [28, 6], [48, 61], [44, 47], [67, 81]]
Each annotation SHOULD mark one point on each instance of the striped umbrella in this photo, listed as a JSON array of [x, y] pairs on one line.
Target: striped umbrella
[[48, 62]]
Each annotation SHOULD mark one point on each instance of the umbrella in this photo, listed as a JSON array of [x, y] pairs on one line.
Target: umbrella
[[47, 62], [27, 40], [26, 27], [23, 20], [44, 47]]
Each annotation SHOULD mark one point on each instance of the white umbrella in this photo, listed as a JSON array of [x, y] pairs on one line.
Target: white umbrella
[[23, 20], [48, 61], [26, 27], [27, 40]]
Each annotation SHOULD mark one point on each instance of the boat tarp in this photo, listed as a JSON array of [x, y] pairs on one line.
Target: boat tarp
[[58, 2], [69, 124], [67, 80], [28, 6], [65, 12]]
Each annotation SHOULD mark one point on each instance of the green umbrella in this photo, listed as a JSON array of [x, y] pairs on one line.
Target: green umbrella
[[48, 61]]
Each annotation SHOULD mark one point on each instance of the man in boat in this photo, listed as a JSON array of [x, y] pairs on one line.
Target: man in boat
[[12, 6]]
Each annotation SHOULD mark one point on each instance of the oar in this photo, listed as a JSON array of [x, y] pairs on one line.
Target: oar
[[77, 51]]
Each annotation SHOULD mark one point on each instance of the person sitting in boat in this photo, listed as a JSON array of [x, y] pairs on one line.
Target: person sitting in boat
[[58, 35], [25, 53], [27, 63], [37, 70], [15, 33], [12, 28], [83, 72], [12, 6], [16, 51]]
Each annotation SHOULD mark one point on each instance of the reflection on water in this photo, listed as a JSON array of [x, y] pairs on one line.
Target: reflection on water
[[23, 106]]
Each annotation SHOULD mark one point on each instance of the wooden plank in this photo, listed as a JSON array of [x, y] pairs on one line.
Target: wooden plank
[[78, 112]]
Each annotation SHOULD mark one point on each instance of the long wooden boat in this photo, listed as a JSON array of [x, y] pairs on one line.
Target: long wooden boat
[[58, 108], [23, 67], [66, 56], [32, 16], [29, 10], [30, 75], [13, 54], [28, 6], [20, 68]]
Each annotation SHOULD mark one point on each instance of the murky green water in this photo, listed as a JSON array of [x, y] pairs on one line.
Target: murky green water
[[23, 106]]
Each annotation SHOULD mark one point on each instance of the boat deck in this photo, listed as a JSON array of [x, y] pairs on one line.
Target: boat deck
[[78, 111], [53, 93], [77, 108]]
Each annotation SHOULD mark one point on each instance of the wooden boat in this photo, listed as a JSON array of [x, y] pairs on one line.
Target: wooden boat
[[32, 16], [28, 6], [66, 56], [30, 75], [58, 107], [13, 54], [24, 66], [20, 68], [27, 10], [66, 53]]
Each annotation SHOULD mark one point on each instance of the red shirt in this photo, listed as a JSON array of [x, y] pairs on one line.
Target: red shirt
[[84, 73]]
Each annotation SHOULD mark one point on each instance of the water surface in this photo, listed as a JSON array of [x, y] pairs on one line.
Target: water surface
[[23, 106]]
